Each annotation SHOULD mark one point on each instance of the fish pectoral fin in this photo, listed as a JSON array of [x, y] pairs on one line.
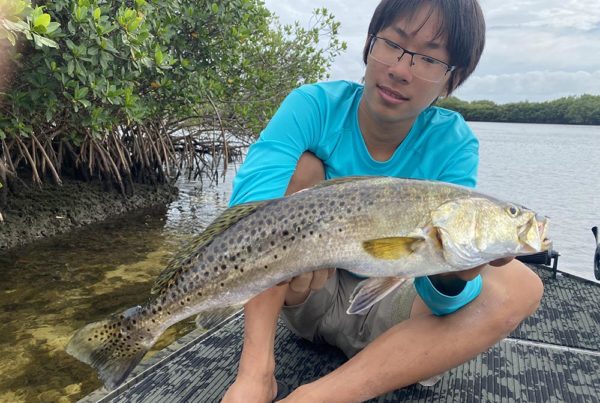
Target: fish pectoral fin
[[392, 248], [368, 292], [209, 319]]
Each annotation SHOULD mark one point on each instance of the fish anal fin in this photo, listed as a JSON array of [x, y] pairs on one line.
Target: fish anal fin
[[392, 248], [368, 292], [209, 319]]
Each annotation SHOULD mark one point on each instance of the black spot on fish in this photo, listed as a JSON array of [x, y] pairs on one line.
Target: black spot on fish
[[285, 232], [223, 267], [210, 258], [222, 284], [249, 249]]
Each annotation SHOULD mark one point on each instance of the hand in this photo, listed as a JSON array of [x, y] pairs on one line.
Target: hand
[[300, 286], [312, 280]]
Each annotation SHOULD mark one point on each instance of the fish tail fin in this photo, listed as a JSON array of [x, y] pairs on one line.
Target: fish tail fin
[[113, 346]]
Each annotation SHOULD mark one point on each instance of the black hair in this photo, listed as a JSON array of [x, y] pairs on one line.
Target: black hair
[[462, 26]]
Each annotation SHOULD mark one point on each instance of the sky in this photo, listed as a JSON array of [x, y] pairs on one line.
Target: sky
[[536, 50]]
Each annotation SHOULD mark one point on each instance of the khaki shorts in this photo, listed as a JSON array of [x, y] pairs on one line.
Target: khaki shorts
[[322, 318]]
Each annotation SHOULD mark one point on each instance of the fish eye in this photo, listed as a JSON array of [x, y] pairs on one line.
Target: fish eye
[[512, 211]]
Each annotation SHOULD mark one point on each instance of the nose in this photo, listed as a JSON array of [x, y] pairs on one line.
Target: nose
[[401, 71]]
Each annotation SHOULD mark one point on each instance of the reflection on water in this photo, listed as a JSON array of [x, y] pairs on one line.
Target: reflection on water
[[53, 287]]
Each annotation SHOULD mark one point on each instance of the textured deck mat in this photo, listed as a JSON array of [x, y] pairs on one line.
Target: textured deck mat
[[569, 314], [530, 366]]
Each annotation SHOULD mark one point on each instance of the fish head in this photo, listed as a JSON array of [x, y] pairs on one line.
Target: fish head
[[476, 230]]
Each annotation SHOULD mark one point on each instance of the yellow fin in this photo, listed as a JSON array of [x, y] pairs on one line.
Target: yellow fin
[[392, 248]]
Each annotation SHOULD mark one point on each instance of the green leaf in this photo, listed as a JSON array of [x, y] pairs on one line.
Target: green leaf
[[215, 8], [41, 21], [41, 41], [158, 56]]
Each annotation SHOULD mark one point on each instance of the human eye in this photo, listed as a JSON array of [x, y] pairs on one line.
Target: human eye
[[430, 60], [392, 44]]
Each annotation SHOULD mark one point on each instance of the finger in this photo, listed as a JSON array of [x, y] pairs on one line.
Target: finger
[[468, 275], [319, 279], [501, 262], [302, 282]]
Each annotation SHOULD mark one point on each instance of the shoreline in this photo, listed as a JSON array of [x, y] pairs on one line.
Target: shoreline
[[36, 212]]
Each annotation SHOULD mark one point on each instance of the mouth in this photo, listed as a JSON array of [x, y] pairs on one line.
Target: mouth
[[390, 95], [533, 235]]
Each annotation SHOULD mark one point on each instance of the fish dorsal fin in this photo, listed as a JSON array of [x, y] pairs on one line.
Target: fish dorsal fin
[[370, 291], [186, 257], [392, 248]]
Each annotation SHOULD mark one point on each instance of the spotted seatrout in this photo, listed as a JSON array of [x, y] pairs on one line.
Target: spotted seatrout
[[387, 229]]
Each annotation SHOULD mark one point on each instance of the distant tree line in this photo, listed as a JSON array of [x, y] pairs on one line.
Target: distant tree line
[[133, 91], [580, 110]]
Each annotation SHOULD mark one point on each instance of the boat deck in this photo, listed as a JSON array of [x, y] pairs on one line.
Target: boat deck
[[553, 356]]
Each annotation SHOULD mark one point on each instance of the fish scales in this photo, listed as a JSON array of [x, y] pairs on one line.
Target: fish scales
[[372, 226], [272, 244]]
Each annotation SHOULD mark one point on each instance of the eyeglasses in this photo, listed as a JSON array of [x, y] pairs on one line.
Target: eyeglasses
[[422, 66]]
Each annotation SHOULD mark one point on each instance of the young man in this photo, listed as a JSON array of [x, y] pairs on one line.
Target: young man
[[416, 51]]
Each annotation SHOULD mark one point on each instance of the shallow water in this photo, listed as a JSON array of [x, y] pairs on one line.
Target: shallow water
[[53, 287]]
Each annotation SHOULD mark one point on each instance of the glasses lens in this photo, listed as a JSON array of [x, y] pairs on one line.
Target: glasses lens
[[428, 69], [423, 67]]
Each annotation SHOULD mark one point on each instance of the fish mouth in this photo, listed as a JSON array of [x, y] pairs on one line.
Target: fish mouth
[[533, 235]]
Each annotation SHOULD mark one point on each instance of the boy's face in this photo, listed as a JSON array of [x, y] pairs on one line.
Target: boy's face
[[393, 94]]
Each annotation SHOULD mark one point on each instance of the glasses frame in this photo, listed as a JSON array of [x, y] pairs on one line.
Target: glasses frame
[[449, 68]]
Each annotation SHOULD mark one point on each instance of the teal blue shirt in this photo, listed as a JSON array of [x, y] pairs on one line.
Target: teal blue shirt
[[323, 119]]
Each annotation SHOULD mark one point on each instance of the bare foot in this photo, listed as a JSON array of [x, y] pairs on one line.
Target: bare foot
[[251, 388]]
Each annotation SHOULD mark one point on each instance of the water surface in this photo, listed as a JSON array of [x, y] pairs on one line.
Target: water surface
[[53, 287]]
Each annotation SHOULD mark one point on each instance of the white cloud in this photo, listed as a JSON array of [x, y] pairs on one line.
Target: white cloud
[[536, 49]]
